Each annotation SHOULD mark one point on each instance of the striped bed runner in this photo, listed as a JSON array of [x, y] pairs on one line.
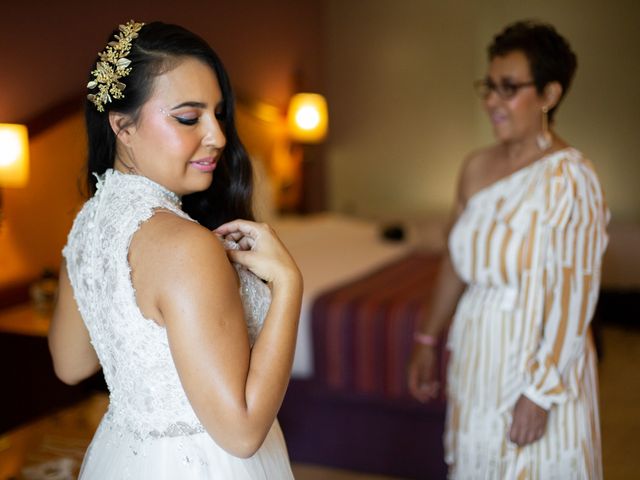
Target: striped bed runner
[[363, 331]]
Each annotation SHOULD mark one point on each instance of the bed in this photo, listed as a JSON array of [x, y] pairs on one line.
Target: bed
[[347, 405], [330, 250]]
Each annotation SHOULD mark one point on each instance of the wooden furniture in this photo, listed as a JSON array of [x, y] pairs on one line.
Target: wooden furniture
[[23, 319], [26, 370]]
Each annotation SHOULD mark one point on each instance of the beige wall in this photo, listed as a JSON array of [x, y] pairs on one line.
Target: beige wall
[[399, 79]]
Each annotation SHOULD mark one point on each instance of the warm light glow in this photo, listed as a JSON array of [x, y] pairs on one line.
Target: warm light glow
[[308, 118], [14, 155]]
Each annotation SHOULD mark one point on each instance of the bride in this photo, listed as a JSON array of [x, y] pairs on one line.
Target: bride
[[194, 330]]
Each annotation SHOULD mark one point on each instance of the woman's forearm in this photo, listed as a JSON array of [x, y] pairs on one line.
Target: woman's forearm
[[448, 290]]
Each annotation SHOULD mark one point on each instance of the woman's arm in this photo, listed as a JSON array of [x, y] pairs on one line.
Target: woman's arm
[[447, 292], [74, 358], [571, 255], [422, 366], [236, 391]]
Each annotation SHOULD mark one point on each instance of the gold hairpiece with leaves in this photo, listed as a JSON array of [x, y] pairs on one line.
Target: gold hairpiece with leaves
[[113, 66]]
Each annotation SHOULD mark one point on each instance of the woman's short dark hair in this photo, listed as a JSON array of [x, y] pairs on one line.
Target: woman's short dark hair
[[153, 52], [549, 54]]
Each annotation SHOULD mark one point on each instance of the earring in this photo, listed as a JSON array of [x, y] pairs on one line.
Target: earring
[[544, 138]]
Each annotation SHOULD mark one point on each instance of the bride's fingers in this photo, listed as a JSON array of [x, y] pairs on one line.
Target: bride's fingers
[[239, 256], [235, 236], [243, 227], [238, 242], [246, 243]]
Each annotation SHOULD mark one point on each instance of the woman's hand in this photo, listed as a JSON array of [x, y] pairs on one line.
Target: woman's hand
[[260, 250], [529, 422], [422, 377]]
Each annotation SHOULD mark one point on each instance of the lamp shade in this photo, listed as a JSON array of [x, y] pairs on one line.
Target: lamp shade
[[307, 118], [14, 155]]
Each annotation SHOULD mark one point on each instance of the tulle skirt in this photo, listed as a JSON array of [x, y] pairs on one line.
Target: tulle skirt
[[118, 454]]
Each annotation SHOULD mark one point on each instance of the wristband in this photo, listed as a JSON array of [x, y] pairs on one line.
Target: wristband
[[423, 339]]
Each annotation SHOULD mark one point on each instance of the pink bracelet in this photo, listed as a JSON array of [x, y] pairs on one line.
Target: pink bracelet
[[427, 340]]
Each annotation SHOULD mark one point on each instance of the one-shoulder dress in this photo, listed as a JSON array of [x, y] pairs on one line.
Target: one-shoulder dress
[[529, 247]]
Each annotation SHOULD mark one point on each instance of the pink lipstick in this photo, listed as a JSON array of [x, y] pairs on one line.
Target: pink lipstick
[[207, 164]]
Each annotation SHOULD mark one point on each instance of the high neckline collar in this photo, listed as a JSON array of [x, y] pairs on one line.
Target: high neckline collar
[[164, 192]]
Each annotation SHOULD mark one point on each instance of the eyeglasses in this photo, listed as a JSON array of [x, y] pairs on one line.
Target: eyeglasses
[[506, 90]]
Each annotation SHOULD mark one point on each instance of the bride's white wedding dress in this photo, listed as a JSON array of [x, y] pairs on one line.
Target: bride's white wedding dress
[[150, 430]]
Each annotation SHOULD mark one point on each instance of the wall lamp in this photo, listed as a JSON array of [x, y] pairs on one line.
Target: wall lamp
[[307, 118], [14, 157]]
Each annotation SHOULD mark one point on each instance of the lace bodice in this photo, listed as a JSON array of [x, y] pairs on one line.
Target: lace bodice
[[146, 396]]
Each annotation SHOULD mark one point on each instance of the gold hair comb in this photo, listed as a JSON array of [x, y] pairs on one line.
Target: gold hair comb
[[113, 66]]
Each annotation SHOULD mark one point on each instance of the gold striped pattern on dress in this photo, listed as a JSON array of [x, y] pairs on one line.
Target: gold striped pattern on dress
[[529, 248]]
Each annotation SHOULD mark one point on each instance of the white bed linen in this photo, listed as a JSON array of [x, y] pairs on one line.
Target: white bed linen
[[330, 250]]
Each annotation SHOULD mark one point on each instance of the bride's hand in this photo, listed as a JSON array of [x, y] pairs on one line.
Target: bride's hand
[[260, 250]]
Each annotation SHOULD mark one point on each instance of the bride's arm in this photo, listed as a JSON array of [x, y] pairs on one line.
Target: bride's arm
[[74, 358], [235, 391]]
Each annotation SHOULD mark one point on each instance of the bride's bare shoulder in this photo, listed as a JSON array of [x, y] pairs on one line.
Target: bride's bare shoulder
[[166, 237]]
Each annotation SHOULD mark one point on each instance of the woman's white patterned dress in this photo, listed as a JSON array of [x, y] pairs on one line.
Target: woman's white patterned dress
[[529, 248]]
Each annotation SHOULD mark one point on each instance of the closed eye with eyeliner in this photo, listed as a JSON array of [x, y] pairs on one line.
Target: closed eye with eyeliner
[[192, 120]]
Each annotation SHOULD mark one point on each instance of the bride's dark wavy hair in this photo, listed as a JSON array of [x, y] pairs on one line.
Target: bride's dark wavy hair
[[153, 52]]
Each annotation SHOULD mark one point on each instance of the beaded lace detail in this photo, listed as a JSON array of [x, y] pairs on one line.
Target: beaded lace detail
[[146, 396]]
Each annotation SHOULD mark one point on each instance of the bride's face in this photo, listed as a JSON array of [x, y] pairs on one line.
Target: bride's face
[[179, 136]]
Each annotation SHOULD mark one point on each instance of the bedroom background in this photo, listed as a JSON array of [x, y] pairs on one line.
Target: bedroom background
[[403, 114], [397, 77]]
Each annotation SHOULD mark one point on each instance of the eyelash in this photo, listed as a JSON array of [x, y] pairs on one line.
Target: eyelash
[[186, 121], [192, 121]]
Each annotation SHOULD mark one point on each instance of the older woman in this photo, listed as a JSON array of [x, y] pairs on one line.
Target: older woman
[[521, 280]]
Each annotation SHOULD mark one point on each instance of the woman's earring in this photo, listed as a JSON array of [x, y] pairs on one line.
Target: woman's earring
[[544, 138]]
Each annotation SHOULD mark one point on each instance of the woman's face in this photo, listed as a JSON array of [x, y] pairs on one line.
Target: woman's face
[[518, 117], [178, 138]]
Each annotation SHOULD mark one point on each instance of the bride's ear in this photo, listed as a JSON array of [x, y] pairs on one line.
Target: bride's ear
[[123, 127]]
